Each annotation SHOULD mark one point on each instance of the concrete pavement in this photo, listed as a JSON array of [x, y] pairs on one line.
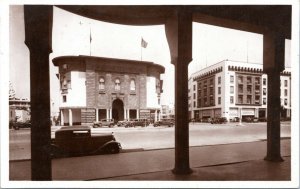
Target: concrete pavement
[[240, 161]]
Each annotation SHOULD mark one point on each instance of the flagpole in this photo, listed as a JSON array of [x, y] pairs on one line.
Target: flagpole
[[141, 50]]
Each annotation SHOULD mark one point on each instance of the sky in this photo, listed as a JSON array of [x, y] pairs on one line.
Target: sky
[[71, 36]]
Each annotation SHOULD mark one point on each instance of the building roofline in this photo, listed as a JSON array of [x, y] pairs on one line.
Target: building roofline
[[56, 60]]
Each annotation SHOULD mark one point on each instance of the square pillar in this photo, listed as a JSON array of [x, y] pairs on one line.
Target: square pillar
[[62, 121], [70, 117], [38, 39], [273, 57], [107, 113], [137, 113], [179, 35]]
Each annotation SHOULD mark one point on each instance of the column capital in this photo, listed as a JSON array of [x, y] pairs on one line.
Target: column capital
[[273, 52], [178, 30], [38, 27]]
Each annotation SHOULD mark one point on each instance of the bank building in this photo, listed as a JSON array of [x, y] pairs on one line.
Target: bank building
[[95, 88]]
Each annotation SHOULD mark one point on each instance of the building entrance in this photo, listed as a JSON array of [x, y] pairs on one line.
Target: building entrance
[[118, 110]]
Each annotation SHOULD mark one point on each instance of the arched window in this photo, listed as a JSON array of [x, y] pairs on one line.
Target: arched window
[[101, 83], [132, 85], [117, 85]]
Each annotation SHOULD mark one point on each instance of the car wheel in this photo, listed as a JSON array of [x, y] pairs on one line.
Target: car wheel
[[16, 127], [113, 149]]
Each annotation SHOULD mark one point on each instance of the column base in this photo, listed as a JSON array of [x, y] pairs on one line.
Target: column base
[[185, 171], [274, 158]]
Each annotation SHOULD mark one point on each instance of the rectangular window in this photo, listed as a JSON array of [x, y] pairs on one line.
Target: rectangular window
[[264, 91], [257, 80], [249, 80], [240, 89], [195, 104], [194, 95], [231, 89], [219, 100], [64, 98], [264, 81], [219, 90], [285, 92], [194, 87], [285, 102], [249, 89], [240, 99], [285, 83], [219, 80], [231, 79], [211, 101], [264, 101], [231, 100], [240, 79], [249, 99]]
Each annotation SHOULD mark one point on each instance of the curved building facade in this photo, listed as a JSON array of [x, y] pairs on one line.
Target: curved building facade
[[95, 88]]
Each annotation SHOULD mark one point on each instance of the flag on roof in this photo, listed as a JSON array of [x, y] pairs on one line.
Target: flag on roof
[[144, 43]]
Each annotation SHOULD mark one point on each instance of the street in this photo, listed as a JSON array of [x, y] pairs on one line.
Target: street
[[147, 138]]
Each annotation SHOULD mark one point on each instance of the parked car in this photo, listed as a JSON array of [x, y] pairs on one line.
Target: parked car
[[167, 122], [17, 125], [218, 120], [78, 140], [123, 123], [104, 122], [235, 119], [138, 122]]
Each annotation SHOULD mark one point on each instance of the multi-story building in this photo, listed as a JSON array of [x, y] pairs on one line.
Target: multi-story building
[[234, 89], [95, 88], [167, 111], [19, 109]]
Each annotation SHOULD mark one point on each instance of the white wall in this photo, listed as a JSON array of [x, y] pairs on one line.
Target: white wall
[[76, 96], [152, 100]]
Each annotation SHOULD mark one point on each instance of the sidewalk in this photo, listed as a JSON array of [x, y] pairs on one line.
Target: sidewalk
[[241, 161]]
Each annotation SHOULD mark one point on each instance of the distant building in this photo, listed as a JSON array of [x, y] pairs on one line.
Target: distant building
[[234, 89], [167, 111], [19, 109], [95, 88]]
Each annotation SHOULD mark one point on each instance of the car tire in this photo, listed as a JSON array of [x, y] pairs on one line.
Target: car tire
[[16, 127], [112, 149]]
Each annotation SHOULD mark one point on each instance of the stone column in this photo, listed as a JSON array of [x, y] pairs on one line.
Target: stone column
[[125, 115], [128, 113], [273, 56], [179, 35], [137, 113], [97, 115], [107, 113], [38, 38], [155, 118], [62, 121], [110, 113], [70, 117]]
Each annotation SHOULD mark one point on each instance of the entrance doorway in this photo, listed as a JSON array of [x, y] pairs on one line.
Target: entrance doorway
[[118, 110]]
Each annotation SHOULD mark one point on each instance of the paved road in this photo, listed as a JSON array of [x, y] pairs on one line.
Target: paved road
[[140, 138]]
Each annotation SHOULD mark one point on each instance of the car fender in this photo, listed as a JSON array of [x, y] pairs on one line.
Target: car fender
[[101, 148]]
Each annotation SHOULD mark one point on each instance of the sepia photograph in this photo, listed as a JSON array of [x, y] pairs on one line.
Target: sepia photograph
[[169, 95]]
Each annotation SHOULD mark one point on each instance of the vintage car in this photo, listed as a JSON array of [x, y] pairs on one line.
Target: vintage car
[[138, 122], [123, 123], [18, 125], [104, 122], [218, 120], [78, 140], [167, 122]]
